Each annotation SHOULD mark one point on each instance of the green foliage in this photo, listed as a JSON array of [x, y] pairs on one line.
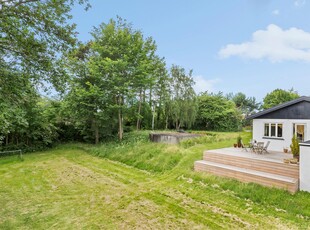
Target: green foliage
[[109, 72], [24, 123], [246, 105], [295, 146], [239, 140], [34, 34], [278, 96], [217, 113], [183, 98]]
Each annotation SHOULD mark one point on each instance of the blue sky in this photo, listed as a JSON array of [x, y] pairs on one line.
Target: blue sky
[[249, 46]]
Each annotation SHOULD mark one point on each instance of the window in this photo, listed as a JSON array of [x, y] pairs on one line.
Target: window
[[299, 131], [266, 133], [280, 130], [273, 130]]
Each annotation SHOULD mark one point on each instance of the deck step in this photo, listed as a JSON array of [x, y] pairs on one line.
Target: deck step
[[248, 175], [262, 165]]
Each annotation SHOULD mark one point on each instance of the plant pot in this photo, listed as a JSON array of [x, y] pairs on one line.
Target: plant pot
[[296, 157], [287, 161], [239, 145], [294, 161], [285, 150], [235, 145]]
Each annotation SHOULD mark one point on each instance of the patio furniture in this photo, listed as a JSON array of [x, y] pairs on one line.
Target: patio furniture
[[252, 144], [258, 148], [244, 147], [266, 147]]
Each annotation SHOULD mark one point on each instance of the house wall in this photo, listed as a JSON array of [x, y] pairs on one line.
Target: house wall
[[304, 167], [277, 144]]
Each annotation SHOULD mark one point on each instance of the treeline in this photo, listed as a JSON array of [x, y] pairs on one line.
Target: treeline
[[114, 83]]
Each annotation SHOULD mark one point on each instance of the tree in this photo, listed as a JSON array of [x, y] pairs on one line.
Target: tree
[[246, 105], [22, 121], [87, 101], [124, 62], [217, 113], [278, 96], [112, 75], [183, 98], [34, 34]]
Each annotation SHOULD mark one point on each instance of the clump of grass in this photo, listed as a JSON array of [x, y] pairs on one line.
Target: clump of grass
[[198, 140], [209, 137]]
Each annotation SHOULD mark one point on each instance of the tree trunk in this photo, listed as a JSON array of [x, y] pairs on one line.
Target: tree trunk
[[96, 133], [7, 139], [153, 117], [95, 128], [120, 119], [166, 127], [139, 112]]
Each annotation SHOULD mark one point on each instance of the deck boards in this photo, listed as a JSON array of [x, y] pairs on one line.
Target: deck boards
[[268, 169]]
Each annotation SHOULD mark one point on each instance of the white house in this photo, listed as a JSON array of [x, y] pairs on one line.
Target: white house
[[280, 123]]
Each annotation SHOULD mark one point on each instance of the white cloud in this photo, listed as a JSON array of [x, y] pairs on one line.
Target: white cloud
[[203, 85], [274, 44], [299, 3], [276, 12]]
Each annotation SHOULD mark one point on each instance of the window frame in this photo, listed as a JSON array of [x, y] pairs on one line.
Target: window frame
[[275, 124]]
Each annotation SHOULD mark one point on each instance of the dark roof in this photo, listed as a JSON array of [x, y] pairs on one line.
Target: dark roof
[[278, 107]]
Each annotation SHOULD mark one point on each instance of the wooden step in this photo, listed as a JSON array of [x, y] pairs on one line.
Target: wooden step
[[248, 175], [263, 165]]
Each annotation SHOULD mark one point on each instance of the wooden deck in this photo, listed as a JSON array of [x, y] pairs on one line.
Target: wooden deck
[[266, 169]]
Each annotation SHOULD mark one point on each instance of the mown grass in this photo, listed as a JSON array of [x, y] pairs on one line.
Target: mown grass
[[138, 185]]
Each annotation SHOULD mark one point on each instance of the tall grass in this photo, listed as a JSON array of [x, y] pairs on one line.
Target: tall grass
[[136, 150]]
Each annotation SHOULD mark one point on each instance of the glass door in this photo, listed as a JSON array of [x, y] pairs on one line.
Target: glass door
[[299, 131]]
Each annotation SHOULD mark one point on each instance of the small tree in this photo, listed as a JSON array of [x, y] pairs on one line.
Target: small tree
[[295, 146]]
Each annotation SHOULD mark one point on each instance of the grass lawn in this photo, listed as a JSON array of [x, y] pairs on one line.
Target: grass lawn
[[138, 185]]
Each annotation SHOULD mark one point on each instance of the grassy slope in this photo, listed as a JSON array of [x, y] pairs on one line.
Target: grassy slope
[[66, 188]]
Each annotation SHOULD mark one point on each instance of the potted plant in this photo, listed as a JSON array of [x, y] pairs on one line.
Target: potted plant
[[295, 147], [285, 149], [239, 141], [235, 145]]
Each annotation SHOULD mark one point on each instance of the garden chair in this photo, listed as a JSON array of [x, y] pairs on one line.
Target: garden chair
[[266, 147], [244, 147], [258, 148], [252, 144]]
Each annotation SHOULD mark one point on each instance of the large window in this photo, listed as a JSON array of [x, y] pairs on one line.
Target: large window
[[273, 130]]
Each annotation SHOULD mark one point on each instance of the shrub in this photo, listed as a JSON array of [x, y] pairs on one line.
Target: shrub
[[295, 146]]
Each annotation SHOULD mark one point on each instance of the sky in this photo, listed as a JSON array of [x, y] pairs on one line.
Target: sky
[[248, 46]]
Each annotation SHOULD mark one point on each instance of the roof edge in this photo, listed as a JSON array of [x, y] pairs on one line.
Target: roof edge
[[281, 106]]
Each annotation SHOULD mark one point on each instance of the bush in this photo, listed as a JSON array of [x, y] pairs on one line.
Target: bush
[[295, 146]]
